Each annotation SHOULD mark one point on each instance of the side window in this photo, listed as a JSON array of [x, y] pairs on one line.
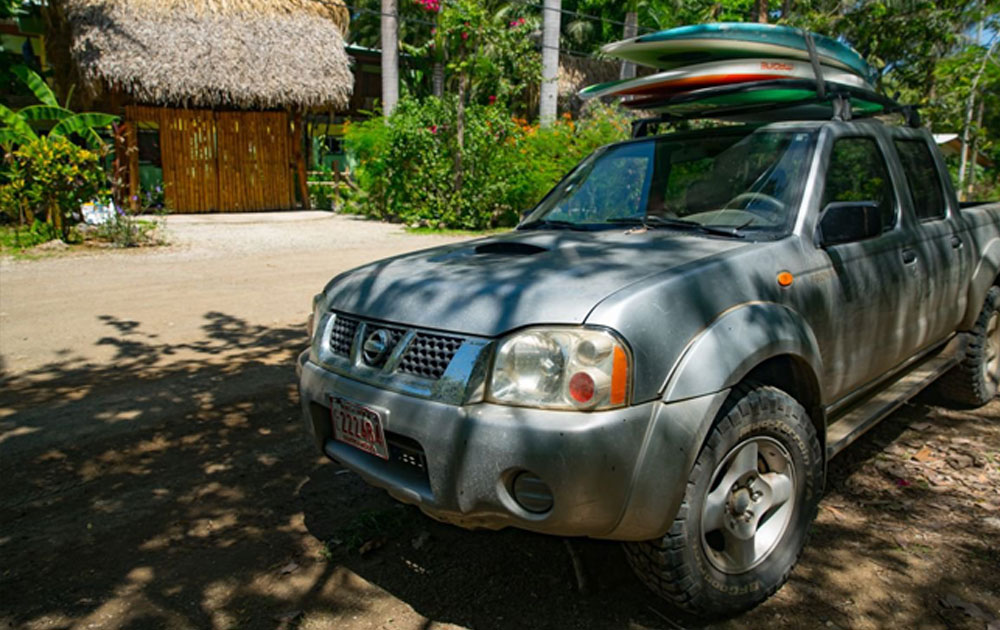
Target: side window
[[858, 172], [923, 179]]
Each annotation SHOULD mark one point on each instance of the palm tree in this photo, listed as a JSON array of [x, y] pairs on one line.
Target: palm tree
[[631, 30], [550, 61], [390, 56]]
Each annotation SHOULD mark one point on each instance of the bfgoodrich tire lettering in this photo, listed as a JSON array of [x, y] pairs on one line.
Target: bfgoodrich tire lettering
[[761, 466], [975, 380]]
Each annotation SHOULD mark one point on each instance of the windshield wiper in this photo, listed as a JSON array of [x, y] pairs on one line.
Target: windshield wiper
[[654, 221], [553, 224]]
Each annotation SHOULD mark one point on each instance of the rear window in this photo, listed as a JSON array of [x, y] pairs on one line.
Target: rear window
[[923, 179]]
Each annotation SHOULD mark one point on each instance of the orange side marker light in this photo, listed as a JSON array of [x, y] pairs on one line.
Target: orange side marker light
[[619, 377], [785, 279]]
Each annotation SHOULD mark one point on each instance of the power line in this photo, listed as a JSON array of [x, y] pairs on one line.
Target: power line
[[585, 16], [563, 50]]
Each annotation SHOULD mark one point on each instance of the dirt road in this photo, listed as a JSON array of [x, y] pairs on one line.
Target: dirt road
[[153, 473]]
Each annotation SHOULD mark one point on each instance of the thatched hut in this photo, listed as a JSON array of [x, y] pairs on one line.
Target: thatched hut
[[211, 91]]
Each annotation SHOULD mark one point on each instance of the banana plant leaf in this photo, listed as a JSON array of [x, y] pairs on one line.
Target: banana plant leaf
[[16, 125], [84, 125], [36, 84], [44, 112]]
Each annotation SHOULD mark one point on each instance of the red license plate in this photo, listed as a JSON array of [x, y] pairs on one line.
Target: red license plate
[[359, 426]]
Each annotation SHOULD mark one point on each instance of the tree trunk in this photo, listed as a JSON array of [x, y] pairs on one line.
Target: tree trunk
[[548, 101], [969, 108], [786, 9], [631, 30], [975, 149], [298, 139], [759, 11], [438, 79], [460, 129], [390, 56], [56, 219]]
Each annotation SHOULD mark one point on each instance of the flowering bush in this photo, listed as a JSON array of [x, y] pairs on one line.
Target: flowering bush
[[405, 166], [47, 179]]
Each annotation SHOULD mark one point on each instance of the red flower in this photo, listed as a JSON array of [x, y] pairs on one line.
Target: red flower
[[433, 129], [493, 99], [465, 35]]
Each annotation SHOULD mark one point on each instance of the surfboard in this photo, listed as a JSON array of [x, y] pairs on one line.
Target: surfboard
[[785, 99], [716, 73], [701, 43]]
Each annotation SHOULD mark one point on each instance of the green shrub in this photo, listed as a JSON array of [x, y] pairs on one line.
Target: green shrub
[[18, 237], [407, 170], [48, 179], [126, 229]]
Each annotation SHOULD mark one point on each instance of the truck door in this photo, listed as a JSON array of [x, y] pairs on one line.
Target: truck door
[[936, 235], [872, 288]]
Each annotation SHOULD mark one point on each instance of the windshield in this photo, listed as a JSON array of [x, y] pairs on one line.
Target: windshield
[[729, 182]]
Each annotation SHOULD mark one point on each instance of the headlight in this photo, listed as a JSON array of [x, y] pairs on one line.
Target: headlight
[[315, 316], [561, 368]]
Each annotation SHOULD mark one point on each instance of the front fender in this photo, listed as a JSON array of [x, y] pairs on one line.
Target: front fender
[[737, 341]]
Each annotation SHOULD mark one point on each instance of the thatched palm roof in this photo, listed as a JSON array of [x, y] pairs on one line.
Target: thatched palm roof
[[212, 53]]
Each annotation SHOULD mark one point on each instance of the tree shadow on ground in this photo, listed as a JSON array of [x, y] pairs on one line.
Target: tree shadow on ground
[[174, 488], [157, 490]]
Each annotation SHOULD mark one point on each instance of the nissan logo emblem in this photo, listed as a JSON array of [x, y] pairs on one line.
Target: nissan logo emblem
[[376, 346]]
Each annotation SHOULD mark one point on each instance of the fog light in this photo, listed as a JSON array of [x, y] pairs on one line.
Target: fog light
[[531, 493]]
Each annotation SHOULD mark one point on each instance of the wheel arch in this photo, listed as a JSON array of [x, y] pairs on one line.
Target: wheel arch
[[986, 275], [765, 341]]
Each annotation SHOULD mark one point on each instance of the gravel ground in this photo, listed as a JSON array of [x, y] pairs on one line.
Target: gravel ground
[[261, 268], [154, 473]]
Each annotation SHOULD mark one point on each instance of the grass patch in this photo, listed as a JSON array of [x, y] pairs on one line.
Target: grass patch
[[14, 238]]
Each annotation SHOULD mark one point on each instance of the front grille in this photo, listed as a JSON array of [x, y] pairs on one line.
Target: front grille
[[342, 335], [428, 355]]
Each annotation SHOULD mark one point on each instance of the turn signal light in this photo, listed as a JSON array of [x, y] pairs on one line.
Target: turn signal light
[[619, 377]]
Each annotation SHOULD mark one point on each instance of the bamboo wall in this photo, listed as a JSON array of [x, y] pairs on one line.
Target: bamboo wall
[[224, 161]]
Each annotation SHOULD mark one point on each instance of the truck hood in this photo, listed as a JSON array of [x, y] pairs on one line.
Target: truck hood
[[489, 286]]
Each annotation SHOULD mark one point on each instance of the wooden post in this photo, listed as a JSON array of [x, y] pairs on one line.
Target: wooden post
[[300, 161], [132, 157]]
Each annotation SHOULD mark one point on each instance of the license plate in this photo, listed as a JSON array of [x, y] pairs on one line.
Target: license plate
[[359, 426]]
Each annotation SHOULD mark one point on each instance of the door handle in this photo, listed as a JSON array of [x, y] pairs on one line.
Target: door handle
[[956, 242], [909, 256]]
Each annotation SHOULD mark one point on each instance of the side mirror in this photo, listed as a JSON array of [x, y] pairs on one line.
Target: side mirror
[[849, 221]]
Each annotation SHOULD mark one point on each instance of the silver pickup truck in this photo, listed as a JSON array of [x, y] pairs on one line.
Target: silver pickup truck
[[669, 348]]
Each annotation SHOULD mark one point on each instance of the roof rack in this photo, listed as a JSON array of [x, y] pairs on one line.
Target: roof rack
[[837, 96]]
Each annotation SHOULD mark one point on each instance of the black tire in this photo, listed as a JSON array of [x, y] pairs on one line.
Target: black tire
[[974, 382], [683, 567]]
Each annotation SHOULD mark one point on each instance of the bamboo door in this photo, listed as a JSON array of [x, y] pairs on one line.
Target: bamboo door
[[254, 161], [190, 163]]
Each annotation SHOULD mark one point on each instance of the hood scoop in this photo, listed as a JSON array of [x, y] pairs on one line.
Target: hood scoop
[[509, 248]]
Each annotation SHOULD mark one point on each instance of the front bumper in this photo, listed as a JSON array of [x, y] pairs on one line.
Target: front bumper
[[616, 474]]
